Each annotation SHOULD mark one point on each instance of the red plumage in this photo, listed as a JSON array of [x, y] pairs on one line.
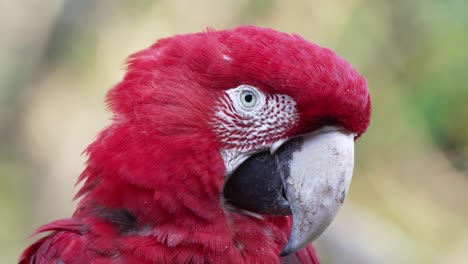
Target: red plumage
[[154, 178]]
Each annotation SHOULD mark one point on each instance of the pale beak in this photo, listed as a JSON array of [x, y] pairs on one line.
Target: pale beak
[[308, 176], [317, 179]]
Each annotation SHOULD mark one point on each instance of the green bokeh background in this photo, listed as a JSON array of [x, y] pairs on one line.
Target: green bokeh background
[[408, 202]]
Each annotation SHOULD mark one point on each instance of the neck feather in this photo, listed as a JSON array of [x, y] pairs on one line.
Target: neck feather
[[172, 194]]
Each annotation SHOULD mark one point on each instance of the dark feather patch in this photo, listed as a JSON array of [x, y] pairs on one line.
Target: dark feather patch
[[121, 217]]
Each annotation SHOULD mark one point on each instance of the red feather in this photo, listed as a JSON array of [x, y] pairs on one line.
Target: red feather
[[153, 183]]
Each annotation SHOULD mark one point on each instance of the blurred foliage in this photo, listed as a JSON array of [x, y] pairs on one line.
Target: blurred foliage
[[407, 203]]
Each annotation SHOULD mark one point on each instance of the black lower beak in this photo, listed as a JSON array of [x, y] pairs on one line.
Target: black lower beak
[[257, 186], [307, 177]]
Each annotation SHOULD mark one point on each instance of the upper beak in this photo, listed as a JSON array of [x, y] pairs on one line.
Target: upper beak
[[308, 176], [316, 177]]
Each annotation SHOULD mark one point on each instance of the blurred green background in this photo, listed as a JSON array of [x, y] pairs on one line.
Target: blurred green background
[[408, 202]]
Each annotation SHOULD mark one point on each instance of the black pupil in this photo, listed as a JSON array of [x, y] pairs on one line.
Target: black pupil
[[248, 98]]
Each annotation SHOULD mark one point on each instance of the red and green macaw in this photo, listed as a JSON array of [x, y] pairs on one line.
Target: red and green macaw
[[232, 146]]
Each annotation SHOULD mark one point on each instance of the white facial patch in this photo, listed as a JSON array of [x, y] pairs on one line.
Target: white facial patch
[[248, 121]]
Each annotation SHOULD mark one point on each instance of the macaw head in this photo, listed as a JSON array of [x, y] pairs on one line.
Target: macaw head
[[260, 121]]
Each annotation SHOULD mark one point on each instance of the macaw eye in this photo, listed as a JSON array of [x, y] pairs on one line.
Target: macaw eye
[[248, 99]]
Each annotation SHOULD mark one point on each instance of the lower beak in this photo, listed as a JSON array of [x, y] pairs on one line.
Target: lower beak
[[308, 176]]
